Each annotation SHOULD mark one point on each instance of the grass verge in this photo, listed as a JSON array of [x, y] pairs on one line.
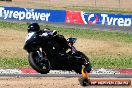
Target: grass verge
[[13, 62], [111, 61]]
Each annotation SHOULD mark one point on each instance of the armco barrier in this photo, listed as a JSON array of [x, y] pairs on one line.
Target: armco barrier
[[62, 16], [77, 17], [27, 14]]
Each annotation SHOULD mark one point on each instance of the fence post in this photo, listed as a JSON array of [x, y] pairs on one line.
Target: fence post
[[95, 3], [119, 1]]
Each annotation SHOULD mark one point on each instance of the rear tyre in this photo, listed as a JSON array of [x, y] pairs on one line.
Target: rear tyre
[[41, 66], [84, 61]]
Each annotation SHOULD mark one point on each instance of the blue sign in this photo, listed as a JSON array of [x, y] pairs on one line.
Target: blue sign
[[29, 14], [107, 19]]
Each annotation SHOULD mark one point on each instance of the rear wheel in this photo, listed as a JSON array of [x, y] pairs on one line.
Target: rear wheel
[[40, 65], [84, 61]]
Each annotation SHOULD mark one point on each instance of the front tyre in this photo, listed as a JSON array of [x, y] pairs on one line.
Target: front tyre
[[40, 65]]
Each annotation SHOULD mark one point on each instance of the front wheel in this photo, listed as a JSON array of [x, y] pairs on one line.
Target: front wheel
[[41, 65]]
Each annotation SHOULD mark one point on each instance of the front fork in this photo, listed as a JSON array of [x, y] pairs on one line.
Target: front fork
[[40, 53]]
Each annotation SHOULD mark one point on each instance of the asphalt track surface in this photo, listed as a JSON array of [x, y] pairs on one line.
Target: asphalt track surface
[[96, 73], [109, 28], [70, 75]]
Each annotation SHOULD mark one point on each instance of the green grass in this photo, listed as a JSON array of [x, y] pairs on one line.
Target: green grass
[[13, 62], [97, 62], [106, 61], [112, 61], [13, 25]]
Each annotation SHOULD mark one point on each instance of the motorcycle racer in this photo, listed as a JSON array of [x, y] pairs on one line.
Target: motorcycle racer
[[58, 45]]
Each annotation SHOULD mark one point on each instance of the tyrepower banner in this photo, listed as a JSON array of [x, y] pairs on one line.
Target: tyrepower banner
[[77, 17], [29, 14]]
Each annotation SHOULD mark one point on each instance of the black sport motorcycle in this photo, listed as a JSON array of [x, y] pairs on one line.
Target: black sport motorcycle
[[51, 51]]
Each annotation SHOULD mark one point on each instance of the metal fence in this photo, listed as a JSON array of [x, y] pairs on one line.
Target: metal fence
[[5, 0], [121, 4], [69, 4]]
